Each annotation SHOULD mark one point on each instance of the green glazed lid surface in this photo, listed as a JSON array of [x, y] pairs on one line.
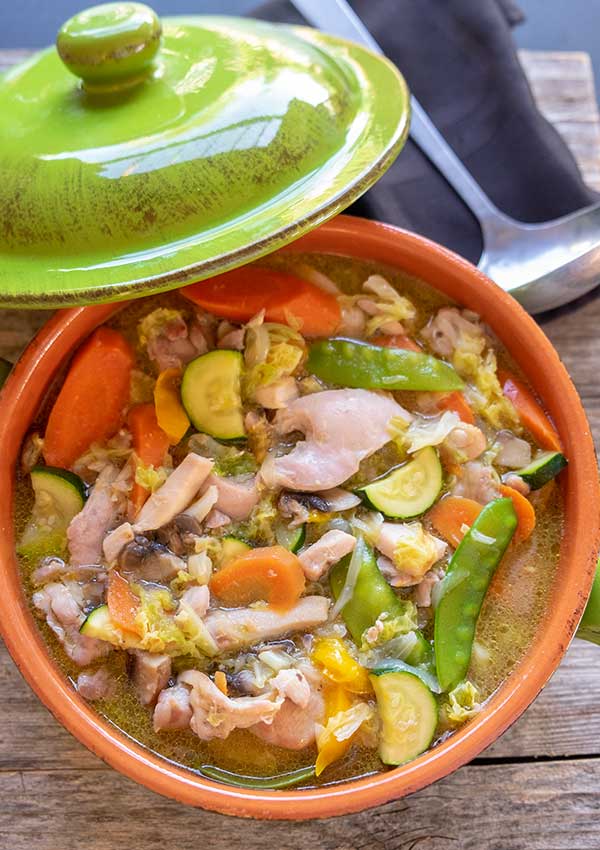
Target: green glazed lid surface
[[169, 164]]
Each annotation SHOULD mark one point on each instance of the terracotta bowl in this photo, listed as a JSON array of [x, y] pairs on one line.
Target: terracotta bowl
[[21, 397]]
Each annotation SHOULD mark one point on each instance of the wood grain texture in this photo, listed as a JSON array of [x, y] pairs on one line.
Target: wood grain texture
[[478, 808], [57, 796]]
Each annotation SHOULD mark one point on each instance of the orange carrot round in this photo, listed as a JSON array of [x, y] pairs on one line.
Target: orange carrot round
[[396, 341], [530, 413], [123, 603], [150, 444], [450, 515], [270, 573], [89, 408], [457, 403], [524, 510], [242, 293]]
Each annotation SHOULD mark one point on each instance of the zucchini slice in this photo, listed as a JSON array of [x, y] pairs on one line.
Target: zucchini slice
[[408, 712], [409, 490], [291, 539], [98, 624], [542, 469], [211, 394], [59, 496], [232, 548]]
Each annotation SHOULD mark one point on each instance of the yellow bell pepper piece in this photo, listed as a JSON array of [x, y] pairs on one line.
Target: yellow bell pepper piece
[[170, 413], [344, 720], [339, 666]]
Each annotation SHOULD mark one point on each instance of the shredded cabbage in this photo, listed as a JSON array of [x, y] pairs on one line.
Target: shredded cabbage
[[354, 566], [463, 702], [149, 477], [368, 523], [415, 549], [430, 432], [285, 351], [159, 631], [115, 450], [392, 307], [387, 629], [260, 524], [397, 428], [155, 322]]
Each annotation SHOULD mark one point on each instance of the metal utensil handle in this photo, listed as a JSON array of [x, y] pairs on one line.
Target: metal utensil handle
[[338, 18]]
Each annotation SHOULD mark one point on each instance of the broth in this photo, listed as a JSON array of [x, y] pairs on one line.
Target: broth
[[511, 614]]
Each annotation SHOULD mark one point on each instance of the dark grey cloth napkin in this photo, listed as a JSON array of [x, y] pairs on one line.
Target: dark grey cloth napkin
[[459, 59]]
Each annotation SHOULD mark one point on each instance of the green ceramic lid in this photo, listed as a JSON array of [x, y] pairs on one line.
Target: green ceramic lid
[[134, 161]]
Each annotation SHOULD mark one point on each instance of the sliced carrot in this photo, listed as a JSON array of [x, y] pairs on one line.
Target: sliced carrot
[[457, 403], [150, 444], [524, 510], [396, 341], [123, 603], [170, 413], [221, 681], [242, 293], [450, 515], [90, 404], [530, 413], [270, 573]]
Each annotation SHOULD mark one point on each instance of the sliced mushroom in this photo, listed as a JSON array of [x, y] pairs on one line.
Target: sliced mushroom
[[150, 560]]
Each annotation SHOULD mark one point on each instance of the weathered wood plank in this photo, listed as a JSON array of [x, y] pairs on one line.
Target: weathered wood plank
[[550, 806]]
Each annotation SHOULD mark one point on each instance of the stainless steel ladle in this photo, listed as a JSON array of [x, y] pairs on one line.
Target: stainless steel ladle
[[542, 265]]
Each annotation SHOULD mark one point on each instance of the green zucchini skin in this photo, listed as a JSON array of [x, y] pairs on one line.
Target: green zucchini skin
[[542, 469], [408, 491], [211, 394], [409, 715]]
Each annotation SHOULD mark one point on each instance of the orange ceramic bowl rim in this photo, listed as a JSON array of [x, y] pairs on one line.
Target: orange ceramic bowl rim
[[19, 402]]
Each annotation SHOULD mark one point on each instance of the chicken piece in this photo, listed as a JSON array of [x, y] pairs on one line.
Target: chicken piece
[[422, 591], [293, 727], [341, 428], [149, 674], [175, 494], [411, 551], [149, 560], [477, 481], [88, 528], [198, 598], [517, 483], [216, 519], [233, 628], [233, 339], [173, 709], [169, 342], [327, 551], [513, 452], [463, 443], [100, 684], [278, 394], [64, 614], [338, 499], [55, 569], [449, 327], [237, 495], [115, 542], [292, 684], [201, 508], [216, 715]]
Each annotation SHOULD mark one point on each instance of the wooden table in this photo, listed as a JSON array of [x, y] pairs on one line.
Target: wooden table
[[537, 788]]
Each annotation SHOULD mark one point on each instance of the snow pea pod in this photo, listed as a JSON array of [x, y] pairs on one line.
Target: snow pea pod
[[281, 780], [462, 590], [351, 363], [371, 598]]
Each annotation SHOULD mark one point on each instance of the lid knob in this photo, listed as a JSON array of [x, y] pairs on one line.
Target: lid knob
[[111, 46]]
